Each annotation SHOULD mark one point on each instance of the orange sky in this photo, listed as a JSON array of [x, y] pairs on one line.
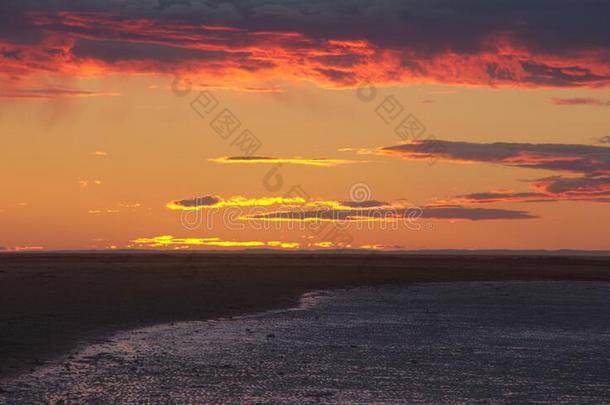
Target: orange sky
[[296, 139]]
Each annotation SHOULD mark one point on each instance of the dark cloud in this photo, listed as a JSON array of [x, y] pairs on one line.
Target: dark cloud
[[558, 76], [343, 61], [15, 26], [551, 189], [246, 158], [430, 26], [490, 42], [587, 186], [163, 4], [364, 204], [338, 76], [435, 26], [474, 214], [496, 196], [394, 214], [116, 51], [11, 53], [590, 163], [556, 157], [204, 201]]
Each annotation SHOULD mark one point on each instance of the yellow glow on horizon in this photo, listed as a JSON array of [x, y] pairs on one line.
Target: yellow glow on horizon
[[169, 240]]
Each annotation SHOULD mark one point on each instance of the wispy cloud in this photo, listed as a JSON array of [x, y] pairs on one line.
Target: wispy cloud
[[130, 205], [555, 188], [51, 93], [319, 162], [124, 208], [97, 212], [578, 101], [242, 89], [495, 196], [87, 183]]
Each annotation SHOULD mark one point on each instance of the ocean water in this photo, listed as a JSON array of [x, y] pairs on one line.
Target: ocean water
[[500, 342]]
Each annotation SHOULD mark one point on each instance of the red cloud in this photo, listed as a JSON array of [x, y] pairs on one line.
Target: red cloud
[[325, 50]]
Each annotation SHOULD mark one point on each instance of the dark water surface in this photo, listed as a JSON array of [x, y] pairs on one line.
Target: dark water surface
[[433, 343]]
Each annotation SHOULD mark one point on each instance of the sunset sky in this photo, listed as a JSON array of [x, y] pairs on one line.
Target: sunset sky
[[389, 124]]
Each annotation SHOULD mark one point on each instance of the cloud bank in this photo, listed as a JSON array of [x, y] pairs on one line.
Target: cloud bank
[[558, 43]]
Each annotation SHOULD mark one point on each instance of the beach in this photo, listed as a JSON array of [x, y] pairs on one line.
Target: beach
[[459, 342], [51, 304]]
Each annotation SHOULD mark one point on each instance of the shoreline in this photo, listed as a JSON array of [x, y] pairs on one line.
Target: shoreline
[[493, 331], [51, 304], [305, 301]]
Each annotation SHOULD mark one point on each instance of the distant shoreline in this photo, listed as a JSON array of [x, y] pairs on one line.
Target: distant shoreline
[[52, 302], [359, 252]]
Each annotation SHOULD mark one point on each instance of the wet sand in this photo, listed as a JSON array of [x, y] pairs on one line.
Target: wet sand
[[469, 342], [52, 303]]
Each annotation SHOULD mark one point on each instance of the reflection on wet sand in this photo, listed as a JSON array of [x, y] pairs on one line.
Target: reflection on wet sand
[[445, 342]]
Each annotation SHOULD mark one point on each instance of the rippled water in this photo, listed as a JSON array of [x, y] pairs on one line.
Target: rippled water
[[449, 343]]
